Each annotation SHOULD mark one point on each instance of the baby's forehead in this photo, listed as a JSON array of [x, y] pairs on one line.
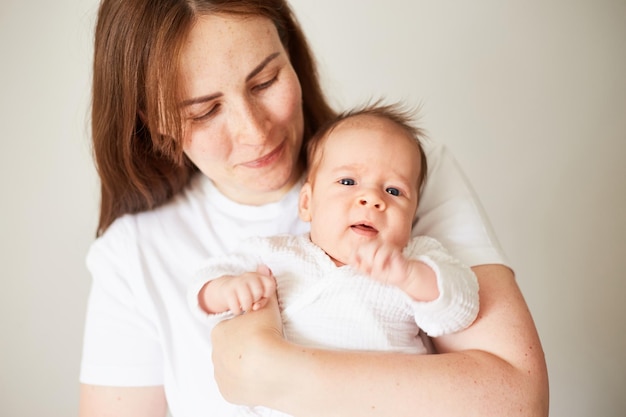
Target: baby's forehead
[[391, 128], [364, 120]]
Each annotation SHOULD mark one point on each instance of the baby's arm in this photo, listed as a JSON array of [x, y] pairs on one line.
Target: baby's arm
[[225, 285], [247, 292], [388, 264], [444, 291]]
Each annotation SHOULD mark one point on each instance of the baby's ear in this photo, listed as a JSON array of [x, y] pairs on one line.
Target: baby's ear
[[304, 210]]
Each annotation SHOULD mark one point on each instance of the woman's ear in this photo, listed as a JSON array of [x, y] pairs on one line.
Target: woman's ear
[[304, 210]]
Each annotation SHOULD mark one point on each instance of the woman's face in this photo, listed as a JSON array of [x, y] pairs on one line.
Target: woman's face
[[242, 107]]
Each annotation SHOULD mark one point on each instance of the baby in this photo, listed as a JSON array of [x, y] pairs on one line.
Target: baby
[[358, 280]]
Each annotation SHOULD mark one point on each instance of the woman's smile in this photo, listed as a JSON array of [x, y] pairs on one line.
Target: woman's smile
[[268, 159]]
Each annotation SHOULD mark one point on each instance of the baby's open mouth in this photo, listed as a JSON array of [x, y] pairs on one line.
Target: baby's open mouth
[[364, 227]]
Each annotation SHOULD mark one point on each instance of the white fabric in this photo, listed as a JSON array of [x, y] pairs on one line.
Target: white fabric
[[323, 305], [326, 306], [139, 329]]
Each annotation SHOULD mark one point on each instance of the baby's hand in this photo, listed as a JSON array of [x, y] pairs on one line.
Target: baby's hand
[[246, 292], [388, 265], [383, 263]]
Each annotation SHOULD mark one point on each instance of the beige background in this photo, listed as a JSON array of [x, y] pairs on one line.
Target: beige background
[[530, 95]]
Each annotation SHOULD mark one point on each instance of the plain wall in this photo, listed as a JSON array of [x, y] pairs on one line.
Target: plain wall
[[529, 95]]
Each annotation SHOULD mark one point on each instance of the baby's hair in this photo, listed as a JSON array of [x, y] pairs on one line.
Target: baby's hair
[[397, 113]]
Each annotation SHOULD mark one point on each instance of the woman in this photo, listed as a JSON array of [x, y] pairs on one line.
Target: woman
[[200, 111]]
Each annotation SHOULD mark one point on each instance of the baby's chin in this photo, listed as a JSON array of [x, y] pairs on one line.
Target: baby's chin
[[336, 261], [339, 259]]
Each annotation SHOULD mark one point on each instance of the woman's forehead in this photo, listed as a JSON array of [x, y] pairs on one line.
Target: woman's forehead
[[221, 48], [217, 41], [229, 35]]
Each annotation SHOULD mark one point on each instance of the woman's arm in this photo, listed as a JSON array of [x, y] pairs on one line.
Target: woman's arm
[[102, 401], [495, 367]]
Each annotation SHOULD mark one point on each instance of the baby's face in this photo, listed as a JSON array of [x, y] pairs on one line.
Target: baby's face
[[365, 187]]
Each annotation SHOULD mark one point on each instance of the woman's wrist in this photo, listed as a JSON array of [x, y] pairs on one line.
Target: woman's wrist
[[247, 352]]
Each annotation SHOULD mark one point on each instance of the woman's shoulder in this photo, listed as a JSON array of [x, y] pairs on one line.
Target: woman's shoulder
[[451, 212], [163, 222]]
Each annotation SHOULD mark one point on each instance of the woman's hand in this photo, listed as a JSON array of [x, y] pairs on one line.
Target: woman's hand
[[242, 348]]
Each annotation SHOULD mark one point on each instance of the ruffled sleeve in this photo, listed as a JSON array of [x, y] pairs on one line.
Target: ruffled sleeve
[[457, 305], [215, 267]]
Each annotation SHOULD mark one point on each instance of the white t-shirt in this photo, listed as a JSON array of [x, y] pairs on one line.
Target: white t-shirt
[[140, 330]]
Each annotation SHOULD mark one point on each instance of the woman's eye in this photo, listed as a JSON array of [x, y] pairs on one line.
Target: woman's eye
[[393, 191], [347, 181], [265, 84], [206, 115]]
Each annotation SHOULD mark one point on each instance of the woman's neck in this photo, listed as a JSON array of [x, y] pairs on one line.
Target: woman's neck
[[259, 198]]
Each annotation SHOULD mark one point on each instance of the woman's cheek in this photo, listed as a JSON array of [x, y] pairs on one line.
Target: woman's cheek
[[201, 145], [289, 100]]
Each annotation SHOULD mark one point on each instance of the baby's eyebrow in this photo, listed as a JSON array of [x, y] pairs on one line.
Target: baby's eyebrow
[[349, 167]]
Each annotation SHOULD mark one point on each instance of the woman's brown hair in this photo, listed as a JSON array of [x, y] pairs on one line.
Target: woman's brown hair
[[136, 120]]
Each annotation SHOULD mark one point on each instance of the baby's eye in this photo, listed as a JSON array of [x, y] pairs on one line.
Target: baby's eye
[[393, 191], [347, 181]]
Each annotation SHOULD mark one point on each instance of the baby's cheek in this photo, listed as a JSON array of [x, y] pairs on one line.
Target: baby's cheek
[[403, 237]]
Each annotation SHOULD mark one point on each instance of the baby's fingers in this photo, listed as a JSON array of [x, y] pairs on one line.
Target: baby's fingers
[[263, 287], [363, 257], [255, 288], [237, 303], [260, 304]]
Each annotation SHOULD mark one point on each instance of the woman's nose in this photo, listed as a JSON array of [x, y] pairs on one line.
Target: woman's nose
[[249, 124]]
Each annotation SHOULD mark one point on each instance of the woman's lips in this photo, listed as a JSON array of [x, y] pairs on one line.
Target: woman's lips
[[266, 160]]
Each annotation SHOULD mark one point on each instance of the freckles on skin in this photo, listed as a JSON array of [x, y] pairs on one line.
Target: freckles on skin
[[245, 120]]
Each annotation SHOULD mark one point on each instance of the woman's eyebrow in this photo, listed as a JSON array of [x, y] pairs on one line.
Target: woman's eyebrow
[[255, 71], [198, 100], [262, 65]]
